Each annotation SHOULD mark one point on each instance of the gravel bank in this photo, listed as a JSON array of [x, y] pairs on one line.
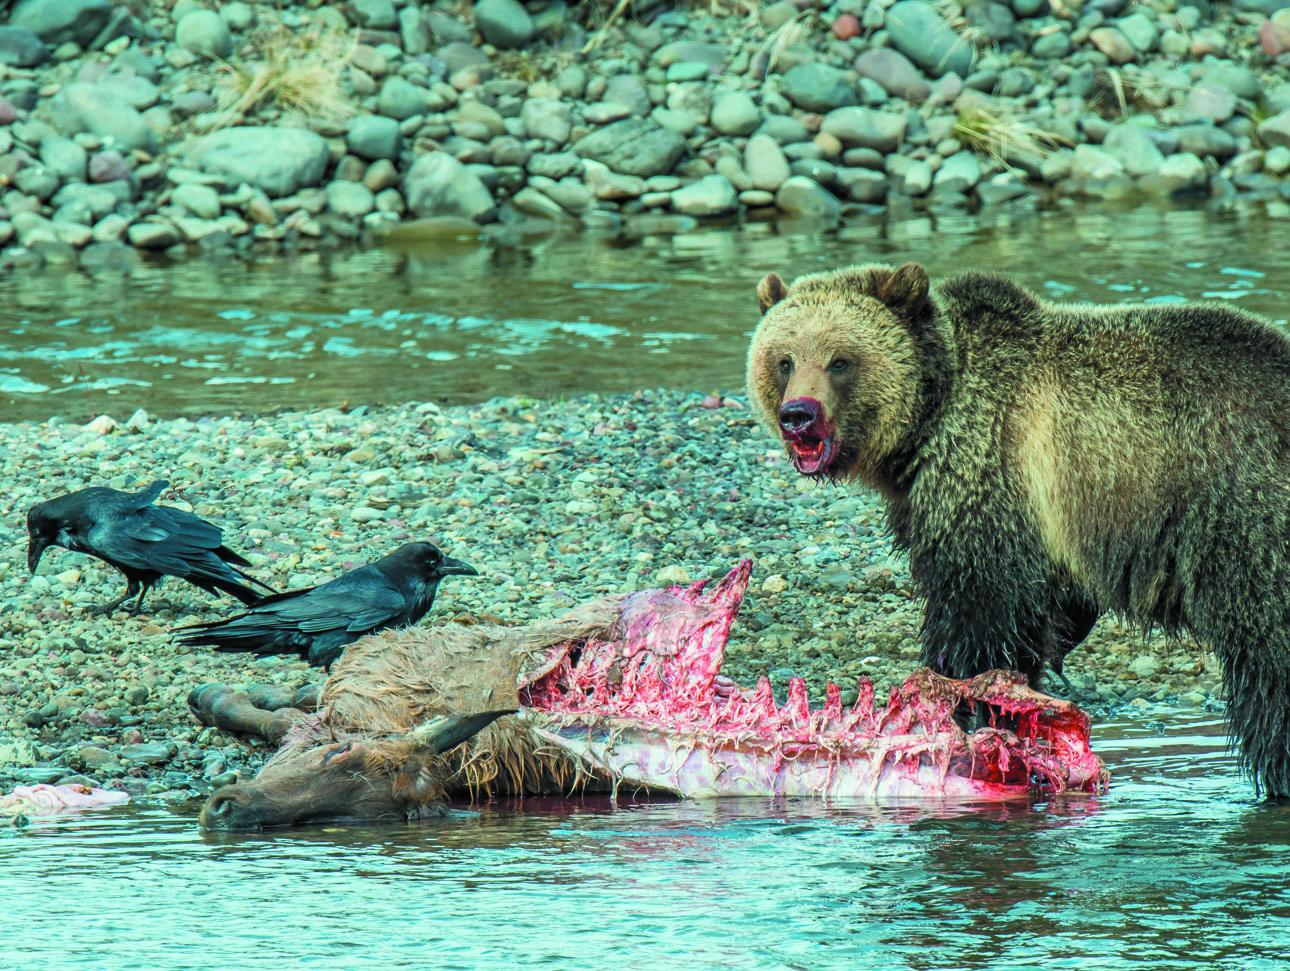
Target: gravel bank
[[553, 502], [192, 126]]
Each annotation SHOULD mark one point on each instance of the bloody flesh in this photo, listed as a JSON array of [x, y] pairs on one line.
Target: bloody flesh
[[649, 707]]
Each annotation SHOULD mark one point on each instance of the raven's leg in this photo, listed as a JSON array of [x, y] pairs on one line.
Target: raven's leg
[[138, 604], [131, 588]]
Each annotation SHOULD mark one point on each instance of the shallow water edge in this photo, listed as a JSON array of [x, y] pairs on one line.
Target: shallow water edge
[[460, 322]]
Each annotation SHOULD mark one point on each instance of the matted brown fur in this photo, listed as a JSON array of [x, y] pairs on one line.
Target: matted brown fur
[[1045, 463], [386, 685]]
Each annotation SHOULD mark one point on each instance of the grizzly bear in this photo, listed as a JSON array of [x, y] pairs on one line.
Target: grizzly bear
[[1044, 463]]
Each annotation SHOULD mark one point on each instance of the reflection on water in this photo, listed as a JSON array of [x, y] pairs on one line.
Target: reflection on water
[[461, 322], [1176, 868]]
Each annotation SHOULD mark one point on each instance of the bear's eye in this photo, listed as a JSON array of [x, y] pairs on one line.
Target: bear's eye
[[785, 366], [838, 365]]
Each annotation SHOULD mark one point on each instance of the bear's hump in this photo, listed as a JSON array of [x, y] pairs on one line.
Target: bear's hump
[[979, 295]]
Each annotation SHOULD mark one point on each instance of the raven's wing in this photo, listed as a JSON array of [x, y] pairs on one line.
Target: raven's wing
[[361, 601], [162, 539], [155, 538]]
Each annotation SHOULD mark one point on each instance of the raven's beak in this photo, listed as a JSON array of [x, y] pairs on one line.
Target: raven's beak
[[448, 567], [35, 547]]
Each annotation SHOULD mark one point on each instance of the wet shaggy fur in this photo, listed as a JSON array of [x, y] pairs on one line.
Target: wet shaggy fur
[[1043, 464]]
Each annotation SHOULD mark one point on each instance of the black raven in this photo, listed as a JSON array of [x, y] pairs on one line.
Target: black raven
[[317, 622], [143, 541]]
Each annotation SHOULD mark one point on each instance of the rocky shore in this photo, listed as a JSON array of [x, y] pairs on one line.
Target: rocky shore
[[555, 503], [252, 126]]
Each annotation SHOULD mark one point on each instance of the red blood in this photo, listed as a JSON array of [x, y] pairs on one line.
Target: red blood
[[667, 652]]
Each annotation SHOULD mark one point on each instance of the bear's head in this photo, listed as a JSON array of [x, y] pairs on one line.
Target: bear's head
[[835, 365]]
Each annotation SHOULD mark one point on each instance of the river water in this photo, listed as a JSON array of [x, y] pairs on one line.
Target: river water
[[463, 321], [1176, 868]]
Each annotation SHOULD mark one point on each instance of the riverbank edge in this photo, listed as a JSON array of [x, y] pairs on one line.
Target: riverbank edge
[[555, 502], [508, 120]]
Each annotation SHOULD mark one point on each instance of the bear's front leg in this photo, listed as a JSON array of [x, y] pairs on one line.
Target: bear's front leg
[[1070, 621], [964, 636], [990, 599]]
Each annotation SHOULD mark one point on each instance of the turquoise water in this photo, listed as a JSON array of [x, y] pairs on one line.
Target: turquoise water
[[459, 323], [1177, 867]]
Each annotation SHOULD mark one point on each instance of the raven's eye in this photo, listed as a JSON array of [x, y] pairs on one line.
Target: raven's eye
[[785, 366], [838, 365]]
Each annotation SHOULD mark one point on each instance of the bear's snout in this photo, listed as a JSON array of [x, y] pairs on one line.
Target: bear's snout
[[798, 415]]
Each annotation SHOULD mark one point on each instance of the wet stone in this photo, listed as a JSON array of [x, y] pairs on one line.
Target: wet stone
[[712, 195], [503, 23], [801, 196], [374, 137], [818, 88], [152, 235], [21, 48], [204, 32], [148, 753]]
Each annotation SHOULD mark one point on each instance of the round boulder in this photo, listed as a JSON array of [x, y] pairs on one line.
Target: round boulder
[[633, 146], [21, 48], [503, 23], [712, 195], [804, 197], [818, 87], [277, 161], [374, 136], [59, 21], [204, 32], [439, 185], [922, 35]]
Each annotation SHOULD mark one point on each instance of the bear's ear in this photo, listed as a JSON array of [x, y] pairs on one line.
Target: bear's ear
[[770, 291], [905, 290]]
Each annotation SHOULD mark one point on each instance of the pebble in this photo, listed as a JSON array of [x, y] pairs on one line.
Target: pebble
[[675, 98], [113, 692]]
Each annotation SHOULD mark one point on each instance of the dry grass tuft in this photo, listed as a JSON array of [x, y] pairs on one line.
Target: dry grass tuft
[[1117, 94], [1003, 137], [952, 14], [298, 72], [788, 34]]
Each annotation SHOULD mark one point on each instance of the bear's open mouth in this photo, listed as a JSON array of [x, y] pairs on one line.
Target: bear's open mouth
[[811, 455]]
